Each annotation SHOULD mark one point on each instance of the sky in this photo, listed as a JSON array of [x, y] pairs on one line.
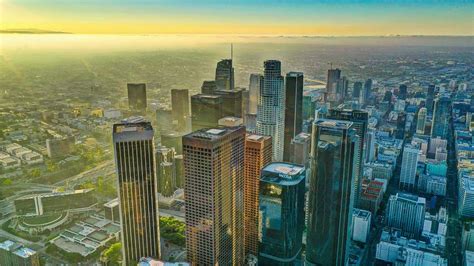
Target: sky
[[272, 17]]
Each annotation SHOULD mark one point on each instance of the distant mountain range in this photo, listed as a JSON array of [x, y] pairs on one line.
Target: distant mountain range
[[32, 31]]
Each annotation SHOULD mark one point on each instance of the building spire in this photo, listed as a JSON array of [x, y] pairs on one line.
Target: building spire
[[232, 51]]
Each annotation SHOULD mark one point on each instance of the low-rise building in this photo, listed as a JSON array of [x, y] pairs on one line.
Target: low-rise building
[[15, 254]]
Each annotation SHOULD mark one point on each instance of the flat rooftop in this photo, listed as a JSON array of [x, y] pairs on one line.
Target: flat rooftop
[[339, 124], [212, 133], [283, 173]]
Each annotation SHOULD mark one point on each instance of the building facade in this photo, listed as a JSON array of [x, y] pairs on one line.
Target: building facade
[[406, 212], [206, 110], [359, 121], [293, 110], [420, 123], [409, 165], [137, 97], [271, 107], [258, 153], [281, 201], [214, 196], [180, 106], [225, 75], [331, 199], [137, 189]]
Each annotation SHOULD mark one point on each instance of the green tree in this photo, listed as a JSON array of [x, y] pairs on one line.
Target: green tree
[[7, 182], [35, 172], [51, 166], [113, 255]]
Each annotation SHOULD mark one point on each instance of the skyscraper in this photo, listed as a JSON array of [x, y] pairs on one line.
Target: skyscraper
[[367, 91], [206, 111], [420, 123], [331, 83], [359, 121], [214, 196], [441, 115], [402, 91], [406, 212], [371, 140], [409, 165], [334, 145], [254, 91], [180, 106], [430, 98], [293, 110], [208, 87], [137, 97], [281, 200], [225, 75], [231, 102], [356, 90], [165, 171], [258, 153], [271, 107], [137, 189]]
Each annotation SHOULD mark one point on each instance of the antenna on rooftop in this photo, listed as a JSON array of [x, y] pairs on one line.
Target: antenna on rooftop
[[232, 51]]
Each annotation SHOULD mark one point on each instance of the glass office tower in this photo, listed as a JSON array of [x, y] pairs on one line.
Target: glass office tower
[[359, 121], [281, 221], [334, 144]]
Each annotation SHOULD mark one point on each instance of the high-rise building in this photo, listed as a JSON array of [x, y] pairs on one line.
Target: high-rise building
[[165, 171], [281, 200], [430, 98], [137, 189], [331, 84], [180, 106], [231, 102], [342, 89], [179, 170], [137, 97], [466, 196], [206, 111], [356, 90], [271, 107], [441, 115], [370, 150], [214, 196], [293, 110], [258, 153], [409, 164], [420, 123], [254, 91], [407, 213], [15, 254], [173, 140], [367, 93], [334, 145], [402, 91], [208, 87], [225, 75], [300, 148], [359, 121], [401, 125]]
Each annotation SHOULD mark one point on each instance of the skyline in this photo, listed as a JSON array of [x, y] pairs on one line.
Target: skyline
[[269, 17]]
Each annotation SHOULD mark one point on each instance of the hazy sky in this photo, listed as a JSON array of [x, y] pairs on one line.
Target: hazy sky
[[304, 17]]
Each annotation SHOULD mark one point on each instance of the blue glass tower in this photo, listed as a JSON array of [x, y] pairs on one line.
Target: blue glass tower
[[281, 221], [331, 191]]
